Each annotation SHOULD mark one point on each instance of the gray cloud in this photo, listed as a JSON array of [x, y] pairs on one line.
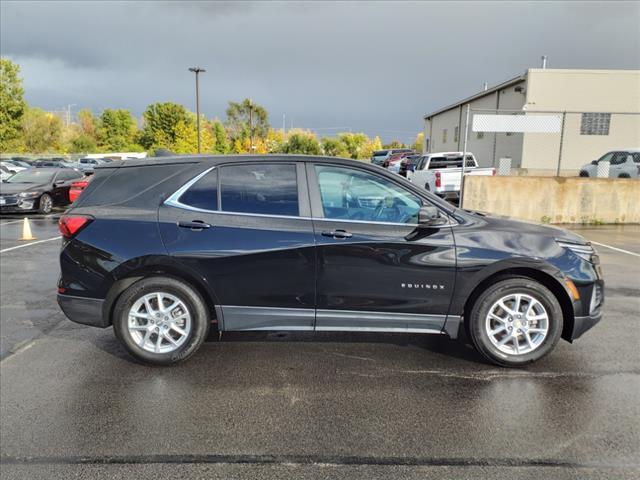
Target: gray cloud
[[372, 66]]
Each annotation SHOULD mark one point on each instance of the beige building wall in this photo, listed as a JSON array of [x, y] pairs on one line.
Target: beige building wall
[[603, 91]]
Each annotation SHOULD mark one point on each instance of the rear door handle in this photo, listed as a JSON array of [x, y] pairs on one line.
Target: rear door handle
[[196, 225], [337, 234]]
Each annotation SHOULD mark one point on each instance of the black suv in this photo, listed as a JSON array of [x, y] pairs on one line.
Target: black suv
[[164, 249]]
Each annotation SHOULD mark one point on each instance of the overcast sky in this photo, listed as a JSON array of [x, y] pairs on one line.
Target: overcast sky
[[375, 67]]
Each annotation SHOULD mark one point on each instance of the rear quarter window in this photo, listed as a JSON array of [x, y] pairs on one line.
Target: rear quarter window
[[204, 193]]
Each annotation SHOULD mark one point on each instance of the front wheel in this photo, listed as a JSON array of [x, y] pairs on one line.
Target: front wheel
[[515, 322], [161, 320], [45, 204]]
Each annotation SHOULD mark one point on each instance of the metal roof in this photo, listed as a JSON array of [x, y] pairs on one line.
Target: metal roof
[[481, 94]]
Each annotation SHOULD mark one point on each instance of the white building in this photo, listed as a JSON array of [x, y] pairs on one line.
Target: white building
[[600, 111]]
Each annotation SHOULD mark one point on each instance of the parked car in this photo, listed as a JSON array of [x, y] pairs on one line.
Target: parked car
[[379, 156], [53, 163], [394, 161], [623, 164], [409, 163], [87, 165], [440, 173], [77, 188], [21, 162], [12, 166], [5, 173], [37, 189], [165, 248]]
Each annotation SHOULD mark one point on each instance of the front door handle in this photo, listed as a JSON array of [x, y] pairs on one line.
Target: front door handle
[[337, 234], [196, 225]]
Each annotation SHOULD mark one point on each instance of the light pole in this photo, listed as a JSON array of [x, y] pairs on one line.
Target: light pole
[[197, 70]]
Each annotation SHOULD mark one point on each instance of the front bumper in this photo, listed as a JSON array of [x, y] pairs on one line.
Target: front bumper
[[582, 324], [88, 311]]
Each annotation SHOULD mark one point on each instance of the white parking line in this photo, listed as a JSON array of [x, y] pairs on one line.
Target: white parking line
[[9, 223], [29, 244], [616, 249]]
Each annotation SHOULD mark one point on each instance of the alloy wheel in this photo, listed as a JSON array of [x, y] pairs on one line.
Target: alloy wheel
[[159, 322], [517, 324]]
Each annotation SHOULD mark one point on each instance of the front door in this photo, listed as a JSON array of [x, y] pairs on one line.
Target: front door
[[246, 230], [376, 270]]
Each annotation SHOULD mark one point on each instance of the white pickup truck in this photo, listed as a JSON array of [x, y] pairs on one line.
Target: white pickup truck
[[440, 172]]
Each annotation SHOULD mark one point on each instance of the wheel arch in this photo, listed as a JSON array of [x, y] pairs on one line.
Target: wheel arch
[[167, 270], [552, 283]]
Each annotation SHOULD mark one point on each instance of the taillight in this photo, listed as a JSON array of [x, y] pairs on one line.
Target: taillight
[[80, 184], [70, 225], [438, 180]]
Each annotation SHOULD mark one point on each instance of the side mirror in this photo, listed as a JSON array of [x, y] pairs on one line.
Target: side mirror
[[429, 216], [594, 162]]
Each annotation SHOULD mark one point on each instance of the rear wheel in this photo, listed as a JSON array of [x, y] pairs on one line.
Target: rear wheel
[[584, 174], [515, 322], [161, 320], [624, 175]]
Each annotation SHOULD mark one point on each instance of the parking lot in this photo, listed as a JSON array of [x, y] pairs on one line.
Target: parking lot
[[73, 403]]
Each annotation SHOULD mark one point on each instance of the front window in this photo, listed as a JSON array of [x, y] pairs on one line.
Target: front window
[[267, 189], [31, 176], [349, 194]]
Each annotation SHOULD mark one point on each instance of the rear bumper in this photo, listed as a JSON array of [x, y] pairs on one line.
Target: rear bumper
[[87, 311]]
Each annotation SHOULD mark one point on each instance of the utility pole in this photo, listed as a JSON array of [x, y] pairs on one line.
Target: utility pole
[[464, 156], [68, 113], [197, 71], [250, 126]]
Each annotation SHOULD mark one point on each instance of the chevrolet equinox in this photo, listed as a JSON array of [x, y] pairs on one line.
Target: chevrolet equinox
[[165, 249]]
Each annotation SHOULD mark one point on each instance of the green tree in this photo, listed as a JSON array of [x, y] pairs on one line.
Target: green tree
[[247, 120], [41, 131], [221, 141], [186, 137], [82, 143], [88, 124], [333, 147], [160, 123], [355, 144], [12, 105], [394, 144], [117, 131], [302, 142]]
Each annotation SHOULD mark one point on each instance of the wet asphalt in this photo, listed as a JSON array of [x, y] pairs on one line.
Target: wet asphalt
[[281, 405]]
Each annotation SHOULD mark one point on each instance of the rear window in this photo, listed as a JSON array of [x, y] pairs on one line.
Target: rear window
[[380, 153], [204, 193], [449, 162], [267, 189]]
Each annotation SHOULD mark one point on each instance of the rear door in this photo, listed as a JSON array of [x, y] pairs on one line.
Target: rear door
[[376, 270], [245, 228]]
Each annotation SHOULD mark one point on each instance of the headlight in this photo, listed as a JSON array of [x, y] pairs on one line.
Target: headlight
[[585, 251], [29, 194]]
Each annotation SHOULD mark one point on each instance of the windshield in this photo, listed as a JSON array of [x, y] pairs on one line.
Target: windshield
[[31, 176]]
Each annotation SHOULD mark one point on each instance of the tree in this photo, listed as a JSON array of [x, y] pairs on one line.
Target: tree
[[160, 123], [370, 147], [186, 137], [87, 123], [394, 144], [41, 131], [417, 145], [12, 104], [354, 144], [247, 120], [82, 143], [220, 140], [275, 141], [333, 147], [117, 131], [302, 142]]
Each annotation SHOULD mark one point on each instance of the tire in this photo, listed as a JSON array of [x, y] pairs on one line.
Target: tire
[[139, 335], [584, 174], [542, 302], [45, 204], [624, 175]]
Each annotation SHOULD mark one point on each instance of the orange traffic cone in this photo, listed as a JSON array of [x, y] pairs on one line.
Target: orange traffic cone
[[26, 230]]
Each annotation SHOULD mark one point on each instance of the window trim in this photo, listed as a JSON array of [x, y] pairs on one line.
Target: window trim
[[308, 197]]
